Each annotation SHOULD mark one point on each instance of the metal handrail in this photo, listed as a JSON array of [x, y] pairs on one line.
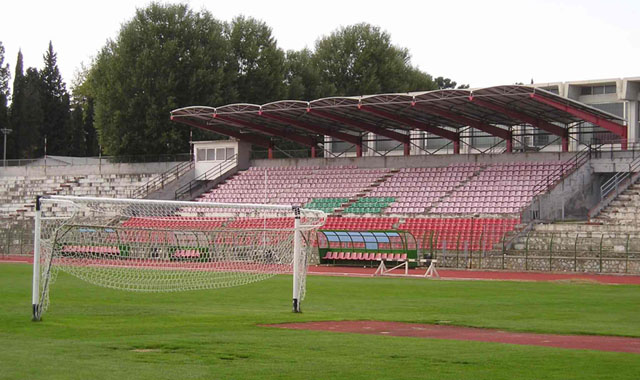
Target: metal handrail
[[158, 182], [613, 183], [54, 161], [210, 174]]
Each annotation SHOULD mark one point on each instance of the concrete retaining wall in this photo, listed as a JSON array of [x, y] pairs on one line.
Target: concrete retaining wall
[[79, 170], [412, 161]]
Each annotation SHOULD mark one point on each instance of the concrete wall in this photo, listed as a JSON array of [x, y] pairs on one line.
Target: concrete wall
[[571, 199], [412, 161]]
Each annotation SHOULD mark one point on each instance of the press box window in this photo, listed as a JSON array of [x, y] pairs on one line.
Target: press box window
[[201, 155]]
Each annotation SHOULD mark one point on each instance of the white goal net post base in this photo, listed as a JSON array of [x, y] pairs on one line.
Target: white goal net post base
[[167, 246], [431, 272]]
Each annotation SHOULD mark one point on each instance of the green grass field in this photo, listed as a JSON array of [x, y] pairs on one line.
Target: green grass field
[[97, 333]]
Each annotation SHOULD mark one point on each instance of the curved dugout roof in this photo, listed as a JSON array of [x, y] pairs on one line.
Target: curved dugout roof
[[494, 110]]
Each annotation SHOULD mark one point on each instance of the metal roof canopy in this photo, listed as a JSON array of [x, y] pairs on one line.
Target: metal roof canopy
[[444, 113]]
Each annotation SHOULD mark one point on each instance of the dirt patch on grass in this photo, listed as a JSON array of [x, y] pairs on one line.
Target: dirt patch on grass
[[146, 350], [580, 342]]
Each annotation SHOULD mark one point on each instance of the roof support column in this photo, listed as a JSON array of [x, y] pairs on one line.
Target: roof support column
[[488, 128], [356, 140], [313, 152], [538, 123], [359, 149], [270, 152], [404, 139], [456, 146]]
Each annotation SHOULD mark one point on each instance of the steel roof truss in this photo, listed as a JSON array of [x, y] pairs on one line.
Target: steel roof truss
[[304, 140], [248, 137], [356, 140]]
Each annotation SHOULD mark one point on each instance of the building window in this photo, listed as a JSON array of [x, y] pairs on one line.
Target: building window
[[230, 152], [211, 154], [384, 144], [221, 154], [598, 90], [613, 108], [201, 154]]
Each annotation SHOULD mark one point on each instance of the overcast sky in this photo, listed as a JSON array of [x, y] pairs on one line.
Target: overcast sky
[[482, 43]]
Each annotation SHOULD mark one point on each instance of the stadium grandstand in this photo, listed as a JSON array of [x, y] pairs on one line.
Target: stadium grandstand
[[507, 177]]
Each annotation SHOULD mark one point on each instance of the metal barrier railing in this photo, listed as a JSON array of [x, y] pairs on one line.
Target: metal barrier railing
[[53, 161], [16, 237], [615, 183], [583, 252], [211, 174]]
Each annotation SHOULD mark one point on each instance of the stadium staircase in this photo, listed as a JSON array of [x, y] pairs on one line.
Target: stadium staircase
[[622, 210], [608, 242], [187, 187], [164, 186]]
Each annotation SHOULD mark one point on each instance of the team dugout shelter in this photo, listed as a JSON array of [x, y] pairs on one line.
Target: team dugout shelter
[[512, 118], [368, 247]]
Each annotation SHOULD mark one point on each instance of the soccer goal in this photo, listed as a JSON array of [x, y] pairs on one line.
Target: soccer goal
[[166, 246]]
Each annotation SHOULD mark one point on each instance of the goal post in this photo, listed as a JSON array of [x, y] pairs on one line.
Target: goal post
[[167, 246]]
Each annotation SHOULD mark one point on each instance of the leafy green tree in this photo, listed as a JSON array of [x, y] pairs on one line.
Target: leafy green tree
[[90, 134], [445, 83], [166, 57], [55, 105], [257, 64], [360, 59], [82, 125], [302, 76], [75, 130], [5, 76]]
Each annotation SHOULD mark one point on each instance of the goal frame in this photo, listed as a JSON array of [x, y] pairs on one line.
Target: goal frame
[[297, 265]]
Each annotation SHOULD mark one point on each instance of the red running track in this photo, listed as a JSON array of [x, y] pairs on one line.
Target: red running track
[[448, 274], [453, 274], [579, 342]]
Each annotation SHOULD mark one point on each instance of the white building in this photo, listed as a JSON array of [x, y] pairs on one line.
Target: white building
[[620, 97]]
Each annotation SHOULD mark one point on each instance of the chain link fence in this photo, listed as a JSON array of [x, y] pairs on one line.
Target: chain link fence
[[578, 252], [573, 251], [16, 237]]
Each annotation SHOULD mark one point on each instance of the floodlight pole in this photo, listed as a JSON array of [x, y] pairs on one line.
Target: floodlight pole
[[5, 132]]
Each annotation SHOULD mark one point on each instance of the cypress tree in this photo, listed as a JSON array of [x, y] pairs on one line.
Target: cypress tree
[[17, 112], [55, 105], [5, 75], [32, 115]]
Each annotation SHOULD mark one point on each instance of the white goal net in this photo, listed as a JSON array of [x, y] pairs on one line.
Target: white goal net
[[165, 246]]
